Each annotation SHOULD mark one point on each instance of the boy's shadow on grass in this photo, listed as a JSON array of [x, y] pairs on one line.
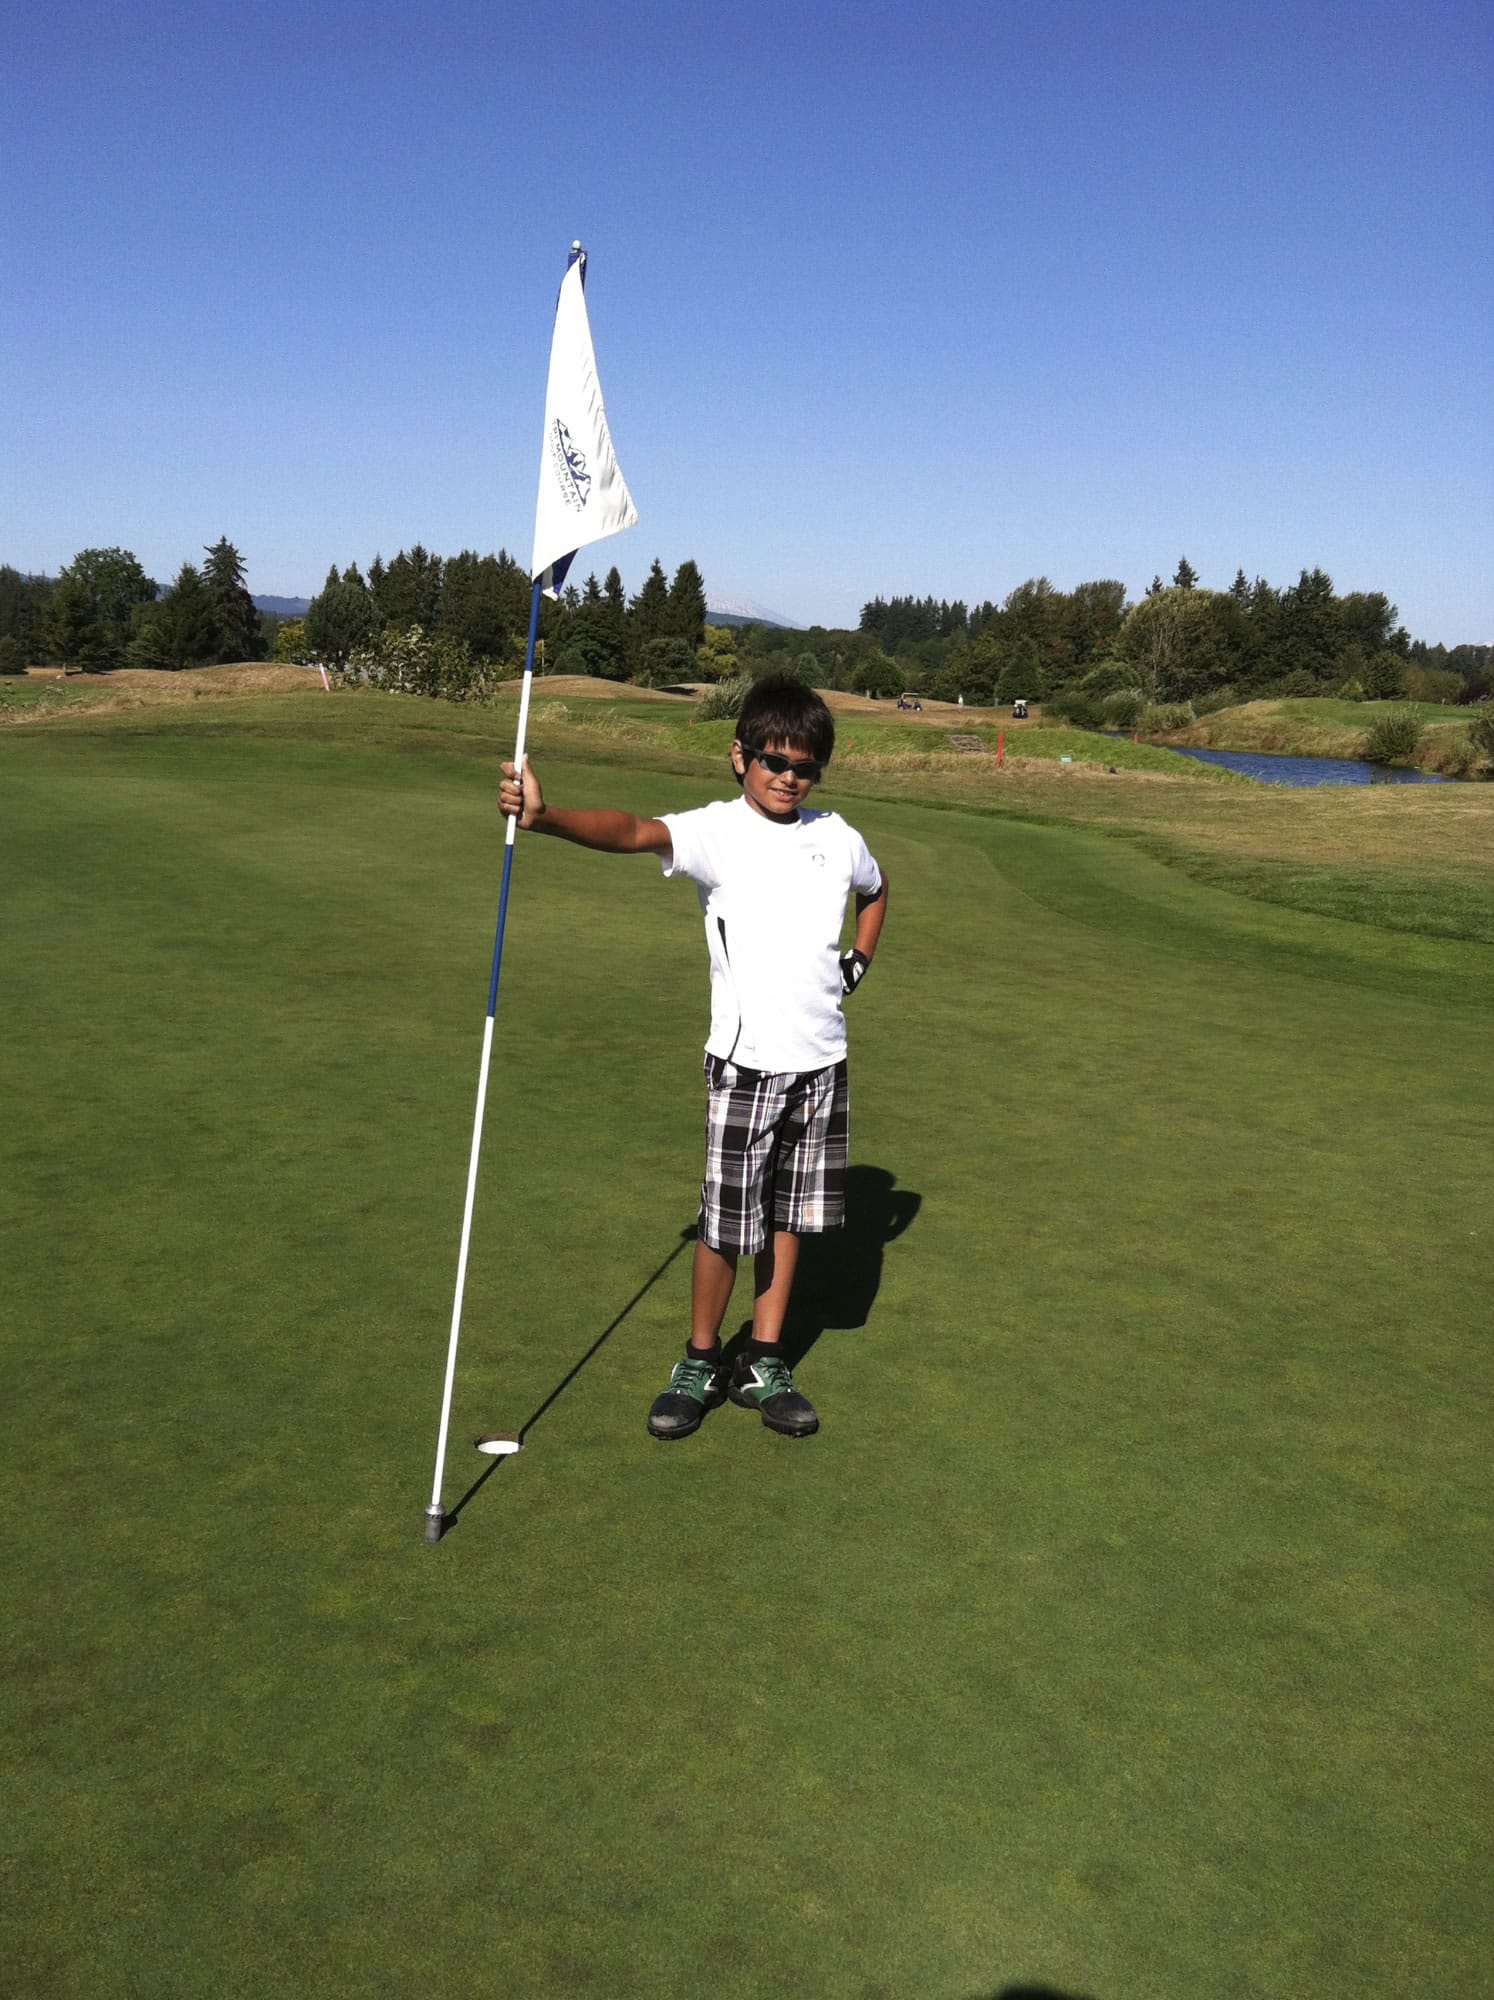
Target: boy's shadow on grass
[[840, 1273], [836, 1285], [686, 1236], [1029, 1993]]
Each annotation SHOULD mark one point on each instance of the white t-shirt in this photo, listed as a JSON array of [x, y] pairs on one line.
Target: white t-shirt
[[774, 898]]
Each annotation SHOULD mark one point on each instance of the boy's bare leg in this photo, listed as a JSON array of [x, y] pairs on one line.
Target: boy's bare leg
[[711, 1279], [761, 1381], [772, 1280]]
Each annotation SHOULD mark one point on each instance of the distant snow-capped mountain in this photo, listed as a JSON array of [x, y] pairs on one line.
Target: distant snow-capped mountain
[[722, 610]]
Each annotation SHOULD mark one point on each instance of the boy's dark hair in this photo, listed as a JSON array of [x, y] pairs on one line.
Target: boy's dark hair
[[780, 709]]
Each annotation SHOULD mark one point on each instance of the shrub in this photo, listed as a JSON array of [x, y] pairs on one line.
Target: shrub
[[1352, 691], [12, 655], [1481, 730], [414, 661], [665, 663], [1166, 715], [723, 702], [1081, 710], [1393, 737], [1123, 709], [1298, 685], [1221, 697]]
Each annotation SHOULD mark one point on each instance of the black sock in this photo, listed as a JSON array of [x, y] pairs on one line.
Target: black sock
[[711, 1353], [762, 1350]]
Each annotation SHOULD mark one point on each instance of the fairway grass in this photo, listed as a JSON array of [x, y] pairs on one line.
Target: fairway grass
[[1123, 1631]]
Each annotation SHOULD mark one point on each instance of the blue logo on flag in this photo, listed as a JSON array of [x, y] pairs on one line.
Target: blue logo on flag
[[570, 466]]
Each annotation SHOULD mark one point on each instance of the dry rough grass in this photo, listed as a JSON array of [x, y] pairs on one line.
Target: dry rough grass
[[1389, 826], [936, 714], [586, 687], [144, 687]]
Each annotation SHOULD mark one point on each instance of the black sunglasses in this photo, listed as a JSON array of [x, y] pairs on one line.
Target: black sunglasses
[[809, 769]]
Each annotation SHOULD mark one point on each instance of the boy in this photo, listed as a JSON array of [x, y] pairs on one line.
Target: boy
[[773, 879]]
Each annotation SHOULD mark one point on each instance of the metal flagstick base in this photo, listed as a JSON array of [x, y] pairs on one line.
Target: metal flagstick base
[[435, 1513]]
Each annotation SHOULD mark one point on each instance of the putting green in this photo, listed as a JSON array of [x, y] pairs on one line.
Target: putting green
[[1121, 1630]]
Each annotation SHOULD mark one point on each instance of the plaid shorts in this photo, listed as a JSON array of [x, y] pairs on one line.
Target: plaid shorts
[[776, 1145]]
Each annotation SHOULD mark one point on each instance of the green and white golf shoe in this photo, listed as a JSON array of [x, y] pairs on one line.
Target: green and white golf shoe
[[765, 1385], [697, 1384]]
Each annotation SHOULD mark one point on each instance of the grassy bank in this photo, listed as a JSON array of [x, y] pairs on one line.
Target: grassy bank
[[1330, 729]]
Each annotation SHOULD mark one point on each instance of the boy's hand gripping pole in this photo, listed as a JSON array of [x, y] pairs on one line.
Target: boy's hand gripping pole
[[435, 1514]]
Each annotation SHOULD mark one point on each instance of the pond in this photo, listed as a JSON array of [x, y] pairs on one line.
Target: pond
[[1273, 769]]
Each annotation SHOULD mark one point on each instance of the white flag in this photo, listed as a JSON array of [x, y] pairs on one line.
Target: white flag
[[582, 496]]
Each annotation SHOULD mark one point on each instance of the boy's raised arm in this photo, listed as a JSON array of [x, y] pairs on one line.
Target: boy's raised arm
[[607, 832]]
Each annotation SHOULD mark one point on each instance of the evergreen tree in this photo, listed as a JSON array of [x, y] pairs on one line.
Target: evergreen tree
[[1186, 577], [614, 619], [240, 634], [183, 630], [1308, 635], [648, 614], [593, 642], [342, 618], [75, 633], [1239, 590], [411, 590], [686, 615], [23, 611], [478, 603]]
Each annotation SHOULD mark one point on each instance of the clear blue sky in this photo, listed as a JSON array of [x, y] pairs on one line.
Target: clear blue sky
[[888, 299]]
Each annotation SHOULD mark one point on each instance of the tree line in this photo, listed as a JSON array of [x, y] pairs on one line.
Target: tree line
[[1077, 650], [1180, 643], [102, 611], [476, 608]]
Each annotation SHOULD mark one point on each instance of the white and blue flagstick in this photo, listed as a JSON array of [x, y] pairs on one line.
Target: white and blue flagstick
[[582, 498]]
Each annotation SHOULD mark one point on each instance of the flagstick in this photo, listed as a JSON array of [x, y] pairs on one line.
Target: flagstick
[[435, 1514], [582, 498]]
